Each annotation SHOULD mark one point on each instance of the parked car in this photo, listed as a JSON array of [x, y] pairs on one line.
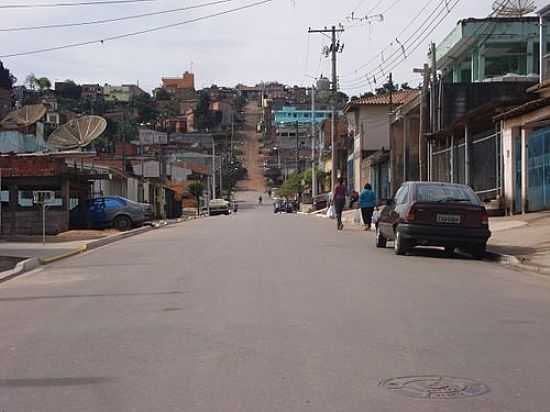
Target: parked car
[[111, 211], [219, 207], [434, 214], [285, 206]]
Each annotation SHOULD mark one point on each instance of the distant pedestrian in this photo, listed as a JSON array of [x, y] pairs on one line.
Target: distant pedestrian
[[260, 200], [354, 197], [235, 207], [367, 202], [339, 199]]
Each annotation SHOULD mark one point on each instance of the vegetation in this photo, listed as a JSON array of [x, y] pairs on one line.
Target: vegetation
[[197, 189], [40, 83], [7, 80]]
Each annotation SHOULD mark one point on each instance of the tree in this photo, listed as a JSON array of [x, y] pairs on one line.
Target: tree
[[202, 110], [162, 94], [44, 83], [146, 109], [7, 80], [292, 186], [197, 189]]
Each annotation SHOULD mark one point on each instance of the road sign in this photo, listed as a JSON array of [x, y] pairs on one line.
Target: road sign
[[42, 196]]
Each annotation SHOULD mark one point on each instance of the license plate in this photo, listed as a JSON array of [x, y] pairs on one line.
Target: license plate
[[448, 219]]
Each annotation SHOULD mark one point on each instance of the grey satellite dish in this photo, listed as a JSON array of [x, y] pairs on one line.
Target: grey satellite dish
[[514, 8], [24, 117], [77, 133]]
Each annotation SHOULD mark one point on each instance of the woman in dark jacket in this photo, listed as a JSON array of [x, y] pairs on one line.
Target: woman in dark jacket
[[339, 199]]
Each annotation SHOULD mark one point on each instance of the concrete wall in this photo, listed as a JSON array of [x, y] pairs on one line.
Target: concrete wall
[[29, 222]]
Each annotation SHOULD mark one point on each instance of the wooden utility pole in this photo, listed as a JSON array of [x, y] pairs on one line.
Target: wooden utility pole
[[335, 48]]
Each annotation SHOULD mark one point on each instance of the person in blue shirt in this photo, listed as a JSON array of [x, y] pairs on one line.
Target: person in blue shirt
[[367, 202]]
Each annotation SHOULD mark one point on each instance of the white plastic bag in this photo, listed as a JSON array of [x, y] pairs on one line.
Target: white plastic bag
[[357, 217], [375, 216], [331, 212]]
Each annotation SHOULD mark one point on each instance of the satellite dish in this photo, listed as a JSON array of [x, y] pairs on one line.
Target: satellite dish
[[77, 133], [514, 8], [24, 117]]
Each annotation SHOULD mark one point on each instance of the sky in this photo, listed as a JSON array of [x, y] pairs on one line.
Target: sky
[[267, 42]]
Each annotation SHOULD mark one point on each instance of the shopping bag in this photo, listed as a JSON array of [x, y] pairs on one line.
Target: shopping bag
[[357, 217], [331, 213]]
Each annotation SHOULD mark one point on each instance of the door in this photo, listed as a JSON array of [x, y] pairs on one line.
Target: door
[[96, 213], [539, 170], [518, 174], [390, 215]]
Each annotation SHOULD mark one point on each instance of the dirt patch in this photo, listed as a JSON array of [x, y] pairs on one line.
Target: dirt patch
[[69, 236]]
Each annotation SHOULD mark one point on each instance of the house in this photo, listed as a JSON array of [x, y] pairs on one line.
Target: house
[[122, 94], [404, 142], [369, 124], [486, 67], [289, 115], [525, 152], [93, 92]]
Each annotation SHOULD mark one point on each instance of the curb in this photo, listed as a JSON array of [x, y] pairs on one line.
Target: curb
[[33, 263], [19, 269], [514, 261]]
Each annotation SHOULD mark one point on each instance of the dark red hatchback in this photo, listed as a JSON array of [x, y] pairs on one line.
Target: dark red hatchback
[[434, 214]]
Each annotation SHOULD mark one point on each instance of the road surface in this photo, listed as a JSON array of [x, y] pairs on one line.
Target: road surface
[[252, 158], [261, 313]]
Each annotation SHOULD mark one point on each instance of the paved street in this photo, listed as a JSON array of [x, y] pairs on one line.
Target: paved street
[[260, 312]]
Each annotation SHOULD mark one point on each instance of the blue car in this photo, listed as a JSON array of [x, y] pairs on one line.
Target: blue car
[[111, 211]]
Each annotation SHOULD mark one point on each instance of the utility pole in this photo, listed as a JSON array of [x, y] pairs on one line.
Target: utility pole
[[434, 109], [213, 168], [297, 150], [424, 122], [232, 133], [313, 135], [335, 48]]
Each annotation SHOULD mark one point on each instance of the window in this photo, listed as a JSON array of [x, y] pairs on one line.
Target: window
[[113, 203], [25, 198], [439, 193], [5, 196], [402, 195]]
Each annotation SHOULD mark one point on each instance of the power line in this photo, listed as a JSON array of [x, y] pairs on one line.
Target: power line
[[136, 33], [75, 4], [425, 25], [103, 21], [414, 19], [396, 62]]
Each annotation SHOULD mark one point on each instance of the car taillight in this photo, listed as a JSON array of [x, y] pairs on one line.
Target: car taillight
[[484, 217], [411, 215]]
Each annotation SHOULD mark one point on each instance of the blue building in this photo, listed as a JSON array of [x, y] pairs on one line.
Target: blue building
[[291, 115]]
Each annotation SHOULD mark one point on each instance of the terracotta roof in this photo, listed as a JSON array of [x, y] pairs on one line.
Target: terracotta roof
[[398, 98]]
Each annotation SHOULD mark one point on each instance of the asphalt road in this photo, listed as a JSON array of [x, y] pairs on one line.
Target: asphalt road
[[259, 313]]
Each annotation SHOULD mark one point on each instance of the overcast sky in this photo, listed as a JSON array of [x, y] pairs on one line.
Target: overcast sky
[[268, 42]]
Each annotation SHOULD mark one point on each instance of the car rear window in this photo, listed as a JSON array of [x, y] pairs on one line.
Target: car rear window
[[445, 193]]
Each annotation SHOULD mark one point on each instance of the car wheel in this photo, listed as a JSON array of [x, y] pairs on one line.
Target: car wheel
[[380, 239], [449, 250], [122, 223], [478, 251], [400, 245]]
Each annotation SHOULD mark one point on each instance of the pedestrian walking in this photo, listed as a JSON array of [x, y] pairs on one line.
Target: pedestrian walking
[[235, 208], [354, 197], [339, 200], [260, 200], [367, 202]]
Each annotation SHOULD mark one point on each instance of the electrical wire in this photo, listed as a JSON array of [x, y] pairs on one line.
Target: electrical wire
[[424, 26], [103, 21], [75, 4], [396, 62], [136, 33], [415, 18]]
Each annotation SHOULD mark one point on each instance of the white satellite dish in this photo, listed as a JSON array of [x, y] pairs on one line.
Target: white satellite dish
[[77, 133], [24, 117], [514, 8]]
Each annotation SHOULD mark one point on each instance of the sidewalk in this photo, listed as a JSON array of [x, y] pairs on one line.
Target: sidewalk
[[30, 253], [520, 240]]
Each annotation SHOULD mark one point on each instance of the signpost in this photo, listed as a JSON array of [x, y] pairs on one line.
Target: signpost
[[41, 197]]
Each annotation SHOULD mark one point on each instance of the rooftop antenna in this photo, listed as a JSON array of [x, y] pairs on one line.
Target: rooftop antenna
[[24, 117], [514, 8], [78, 133]]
